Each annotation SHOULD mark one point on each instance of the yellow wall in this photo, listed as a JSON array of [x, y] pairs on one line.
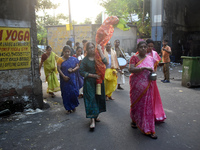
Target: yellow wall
[[57, 38], [82, 32]]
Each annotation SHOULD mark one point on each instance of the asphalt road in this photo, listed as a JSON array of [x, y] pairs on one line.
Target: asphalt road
[[53, 129]]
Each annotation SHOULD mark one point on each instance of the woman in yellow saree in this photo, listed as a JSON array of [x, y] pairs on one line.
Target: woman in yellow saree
[[49, 59]]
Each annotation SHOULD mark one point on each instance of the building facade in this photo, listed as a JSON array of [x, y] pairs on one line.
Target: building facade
[[177, 21], [20, 81]]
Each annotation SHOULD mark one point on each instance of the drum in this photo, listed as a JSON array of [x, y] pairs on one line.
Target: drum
[[122, 62]]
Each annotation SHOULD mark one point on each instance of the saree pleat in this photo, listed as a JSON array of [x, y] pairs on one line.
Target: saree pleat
[[158, 107]]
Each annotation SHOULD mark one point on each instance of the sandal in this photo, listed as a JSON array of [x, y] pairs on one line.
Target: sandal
[[97, 119], [80, 96], [153, 136], [107, 98], [69, 111], [74, 110], [133, 125], [120, 88], [111, 98], [52, 95]]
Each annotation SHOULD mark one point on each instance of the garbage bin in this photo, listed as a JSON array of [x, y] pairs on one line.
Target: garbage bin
[[191, 71]]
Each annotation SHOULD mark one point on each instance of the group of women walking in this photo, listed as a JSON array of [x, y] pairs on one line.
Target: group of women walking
[[146, 106]]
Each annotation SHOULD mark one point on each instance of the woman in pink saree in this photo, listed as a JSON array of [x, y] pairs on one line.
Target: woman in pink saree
[[159, 111], [141, 95]]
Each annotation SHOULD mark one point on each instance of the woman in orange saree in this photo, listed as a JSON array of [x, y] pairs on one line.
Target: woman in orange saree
[[141, 95]]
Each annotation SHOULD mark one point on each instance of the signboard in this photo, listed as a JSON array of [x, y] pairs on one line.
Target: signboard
[[15, 48], [69, 27]]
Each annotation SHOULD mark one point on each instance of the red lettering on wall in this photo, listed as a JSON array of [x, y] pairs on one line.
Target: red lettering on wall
[[26, 36], [14, 35], [20, 36], [8, 34], [1, 34]]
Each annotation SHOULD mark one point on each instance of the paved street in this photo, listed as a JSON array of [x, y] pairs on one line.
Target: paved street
[[53, 129]]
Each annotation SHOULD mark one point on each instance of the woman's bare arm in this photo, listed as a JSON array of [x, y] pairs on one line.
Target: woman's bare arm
[[66, 78], [40, 66]]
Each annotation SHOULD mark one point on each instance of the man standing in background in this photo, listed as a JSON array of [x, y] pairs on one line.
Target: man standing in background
[[70, 44], [166, 51], [120, 74], [84, 47]]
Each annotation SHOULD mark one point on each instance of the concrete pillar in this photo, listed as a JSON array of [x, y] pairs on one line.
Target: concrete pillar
[[157, 20]]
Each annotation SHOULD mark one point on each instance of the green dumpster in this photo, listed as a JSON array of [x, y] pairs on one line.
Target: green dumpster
[[191, 71]]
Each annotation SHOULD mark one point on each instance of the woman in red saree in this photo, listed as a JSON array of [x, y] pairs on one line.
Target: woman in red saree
[[141, 95]]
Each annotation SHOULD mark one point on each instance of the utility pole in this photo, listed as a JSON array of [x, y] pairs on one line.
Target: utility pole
[[71, 35], [70, 20]]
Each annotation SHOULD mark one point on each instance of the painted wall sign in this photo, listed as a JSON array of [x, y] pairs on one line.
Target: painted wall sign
[[15, 48]]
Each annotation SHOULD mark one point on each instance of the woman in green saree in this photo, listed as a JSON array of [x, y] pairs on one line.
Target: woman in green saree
[[94, 104], [49, 60]]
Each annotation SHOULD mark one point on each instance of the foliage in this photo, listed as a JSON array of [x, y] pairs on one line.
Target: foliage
[[99, 18], [45, 4], [87, 21], [126, 8], [74, 22], [45, 19]]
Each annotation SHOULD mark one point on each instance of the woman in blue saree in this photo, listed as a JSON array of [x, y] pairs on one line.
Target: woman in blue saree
[[70, 79]]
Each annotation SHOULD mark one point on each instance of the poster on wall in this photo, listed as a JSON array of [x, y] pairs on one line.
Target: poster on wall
[[15, 48]]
